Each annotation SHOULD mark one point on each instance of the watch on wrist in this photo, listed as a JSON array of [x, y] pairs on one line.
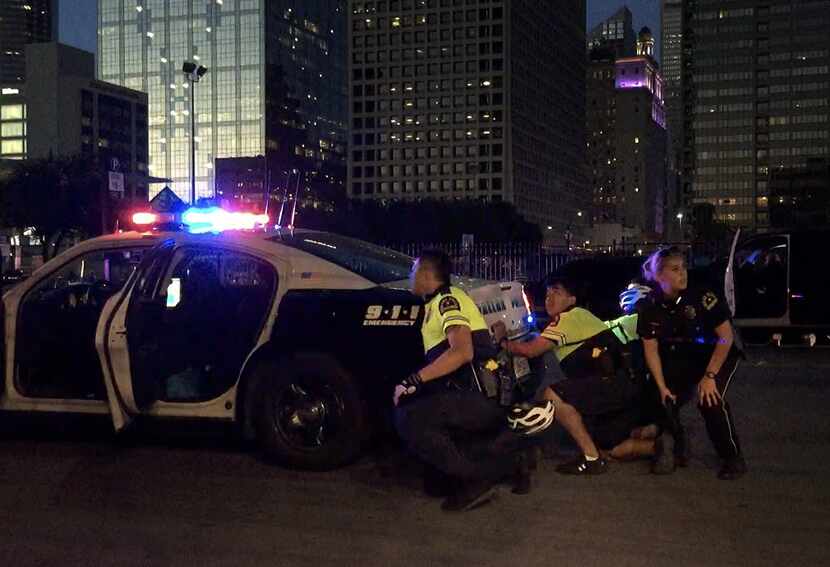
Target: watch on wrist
[[710, 374]]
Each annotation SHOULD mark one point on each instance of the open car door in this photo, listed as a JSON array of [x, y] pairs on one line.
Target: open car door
[[729, 279], [136, 303]]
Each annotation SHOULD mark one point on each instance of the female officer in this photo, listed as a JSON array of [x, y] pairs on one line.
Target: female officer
[[690, 351]]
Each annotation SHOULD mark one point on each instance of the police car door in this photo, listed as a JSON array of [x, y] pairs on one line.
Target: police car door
[[138, 301]]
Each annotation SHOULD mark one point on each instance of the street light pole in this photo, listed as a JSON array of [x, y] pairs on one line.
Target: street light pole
[[194, 74]]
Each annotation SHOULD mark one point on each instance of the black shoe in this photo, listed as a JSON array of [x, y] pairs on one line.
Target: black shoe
[[521, 474], [582, 466], [437, 484], [470, 495], [733, 468], [664, 457], [681, 449]]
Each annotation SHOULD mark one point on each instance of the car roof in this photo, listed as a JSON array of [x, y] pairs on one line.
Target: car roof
[[265, 241]]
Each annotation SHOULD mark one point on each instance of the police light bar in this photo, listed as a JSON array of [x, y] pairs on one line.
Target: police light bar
[[148, 219], [213, 220], [144, 219]]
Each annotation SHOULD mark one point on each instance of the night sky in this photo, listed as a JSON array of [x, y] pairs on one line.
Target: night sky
[[78, 23], [646, 13]]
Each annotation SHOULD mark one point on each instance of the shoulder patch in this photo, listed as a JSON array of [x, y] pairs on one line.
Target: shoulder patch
[[448, 303], [709, 300]]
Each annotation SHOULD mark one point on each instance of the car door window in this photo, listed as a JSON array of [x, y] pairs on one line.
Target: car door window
[[214, 306], [57, 320], [761, 278]]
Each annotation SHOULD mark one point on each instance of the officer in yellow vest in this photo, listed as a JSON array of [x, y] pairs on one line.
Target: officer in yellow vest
[[444, 397]]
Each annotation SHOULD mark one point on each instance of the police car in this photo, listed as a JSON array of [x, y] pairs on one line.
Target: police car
[[298, 336]]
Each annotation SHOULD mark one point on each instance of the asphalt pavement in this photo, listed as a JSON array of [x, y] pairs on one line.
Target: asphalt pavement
[[178, 494]]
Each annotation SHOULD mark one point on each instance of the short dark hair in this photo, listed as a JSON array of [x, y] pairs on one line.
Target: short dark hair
[[569, 284], [439, 262]]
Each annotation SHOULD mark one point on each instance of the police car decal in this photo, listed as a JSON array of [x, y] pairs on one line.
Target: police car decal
[[391, 315]]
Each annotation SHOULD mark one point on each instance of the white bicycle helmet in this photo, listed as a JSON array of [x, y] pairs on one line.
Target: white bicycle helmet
[[632, 294], [531, 418]]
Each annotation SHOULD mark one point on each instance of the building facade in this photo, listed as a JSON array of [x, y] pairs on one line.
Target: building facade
[[756, 97], [615, 34], [627, 146], [62, 110], [461, 100], [23, 22], [275, 84], [671, 64]]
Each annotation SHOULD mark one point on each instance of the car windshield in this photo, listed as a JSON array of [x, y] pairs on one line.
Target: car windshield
[[375, 263]]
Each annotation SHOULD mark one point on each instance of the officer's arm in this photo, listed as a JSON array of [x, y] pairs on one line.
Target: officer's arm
[[725, 340], [460, 353], [529, 349], [655, 365]]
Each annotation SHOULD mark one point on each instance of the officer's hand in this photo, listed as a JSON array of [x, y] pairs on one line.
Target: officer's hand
[[499, 331], [409, 386], [707, 391], [666, 394]]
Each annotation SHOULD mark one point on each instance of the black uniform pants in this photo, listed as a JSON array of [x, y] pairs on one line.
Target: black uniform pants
[[682, 377], [434, 425]]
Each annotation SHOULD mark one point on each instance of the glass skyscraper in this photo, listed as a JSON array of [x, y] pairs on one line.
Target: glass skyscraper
[[275, 82]]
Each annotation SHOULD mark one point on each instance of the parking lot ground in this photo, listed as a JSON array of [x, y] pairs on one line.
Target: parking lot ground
[[184, 494]]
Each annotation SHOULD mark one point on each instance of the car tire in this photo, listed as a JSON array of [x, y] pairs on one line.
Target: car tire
[[310, 413]]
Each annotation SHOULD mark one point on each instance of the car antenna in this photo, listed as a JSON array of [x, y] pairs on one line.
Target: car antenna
[[296, 198], [284, 198]]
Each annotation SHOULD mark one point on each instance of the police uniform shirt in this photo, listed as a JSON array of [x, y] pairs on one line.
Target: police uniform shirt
[[448, 307], [684, 325], [570, 329]]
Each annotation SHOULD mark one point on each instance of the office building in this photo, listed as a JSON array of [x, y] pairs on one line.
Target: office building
[[756, 98], [275, 83], [23, 22], [466, 100], [615, 34], [62, 110], [671, 65], [627, 145]]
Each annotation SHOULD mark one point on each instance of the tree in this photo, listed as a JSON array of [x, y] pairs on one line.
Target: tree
[[55, 197], [422, 221]]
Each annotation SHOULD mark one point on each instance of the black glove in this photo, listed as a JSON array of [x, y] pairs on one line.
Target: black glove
[[411, 384]]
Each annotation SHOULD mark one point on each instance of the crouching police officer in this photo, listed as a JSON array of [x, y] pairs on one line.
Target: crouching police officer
[[444, 399], [691, 351], [595, 400]]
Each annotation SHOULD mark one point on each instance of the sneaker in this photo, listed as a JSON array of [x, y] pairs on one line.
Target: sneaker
[[582, 466], [469, 496], [733, 468], [663, 462]]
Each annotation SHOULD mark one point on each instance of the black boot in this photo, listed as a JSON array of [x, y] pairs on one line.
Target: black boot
[[733, 468]]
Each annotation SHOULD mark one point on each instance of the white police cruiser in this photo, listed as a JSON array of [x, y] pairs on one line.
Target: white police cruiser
[[297, 336]]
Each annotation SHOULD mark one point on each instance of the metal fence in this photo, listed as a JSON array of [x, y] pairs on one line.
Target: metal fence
[[533, 261]]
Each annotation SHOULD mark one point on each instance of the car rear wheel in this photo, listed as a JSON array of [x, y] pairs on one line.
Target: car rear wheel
[[310, 413]]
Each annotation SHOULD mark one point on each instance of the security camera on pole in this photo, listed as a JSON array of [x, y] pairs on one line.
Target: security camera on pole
[[194, 74]]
